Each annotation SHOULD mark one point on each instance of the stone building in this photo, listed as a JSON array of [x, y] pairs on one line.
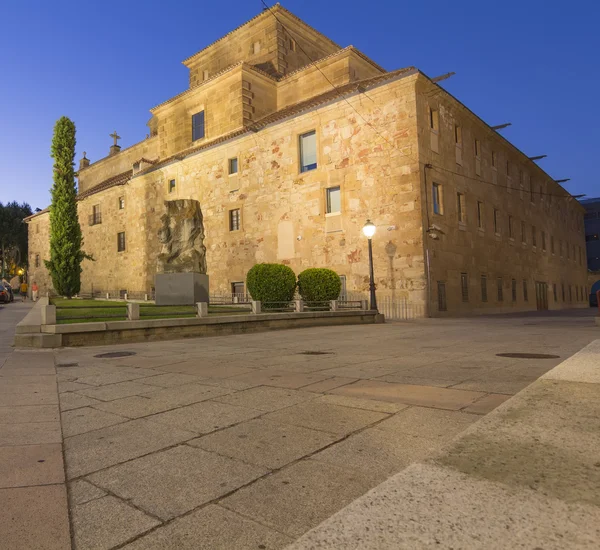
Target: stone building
[[592, 244], [290, 143]]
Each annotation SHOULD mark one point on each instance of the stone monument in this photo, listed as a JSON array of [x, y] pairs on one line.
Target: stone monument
[[181, 277]]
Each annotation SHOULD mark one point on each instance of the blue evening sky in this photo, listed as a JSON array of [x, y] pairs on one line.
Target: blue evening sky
[[105, 64]]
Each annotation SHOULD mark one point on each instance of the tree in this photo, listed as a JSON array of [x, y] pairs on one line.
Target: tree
[[65, 233], [13, 237]]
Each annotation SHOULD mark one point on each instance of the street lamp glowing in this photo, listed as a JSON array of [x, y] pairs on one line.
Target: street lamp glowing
[[369, 229]]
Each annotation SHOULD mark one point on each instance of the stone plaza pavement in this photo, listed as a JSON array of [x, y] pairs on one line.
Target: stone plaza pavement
[[244, 441]]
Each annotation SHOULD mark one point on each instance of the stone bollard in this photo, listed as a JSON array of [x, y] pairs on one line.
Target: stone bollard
[[202, 309], [255, 307], [48, 315], [107, 296], [333, 305], [299, 306], [125, 296], [364, 304], [133, 312]]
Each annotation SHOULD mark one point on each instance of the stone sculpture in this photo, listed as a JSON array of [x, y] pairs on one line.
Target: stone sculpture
[[182, 238]]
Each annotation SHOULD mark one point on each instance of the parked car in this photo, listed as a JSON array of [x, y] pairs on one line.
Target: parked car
[[4, 295], [8, 289]]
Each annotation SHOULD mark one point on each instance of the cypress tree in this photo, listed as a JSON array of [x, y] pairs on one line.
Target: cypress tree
[[65, 233]]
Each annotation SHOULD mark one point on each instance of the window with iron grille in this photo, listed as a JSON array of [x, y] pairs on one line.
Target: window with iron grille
[[234, 219], [500, 289], [121, 241], [464, 287], [442, 296], [484, 297], [514, 290], [525, 293], [198, 125]]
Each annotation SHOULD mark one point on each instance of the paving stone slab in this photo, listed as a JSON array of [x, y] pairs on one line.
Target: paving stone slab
[[13, 399], [172, 379], [359, 371], [403, 378], [86, 419], [116, 391], [378, 452], [106, 522], [29, 413], [30, 465], [199, 368], [508, 387], [65, 386], [30, 433], [82, 491], [326, 417], [104, 379], [328, 384], [7, 370], [281, 379], [366, 404], [267, 399], [299, 497], [70, 401], [34, 517], [89, 452], [211, 528], [264, 443], [427, 396], [172, 482], [204, 417], [487, 403]]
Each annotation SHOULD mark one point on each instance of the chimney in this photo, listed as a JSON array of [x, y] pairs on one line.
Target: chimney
[[84, 162]]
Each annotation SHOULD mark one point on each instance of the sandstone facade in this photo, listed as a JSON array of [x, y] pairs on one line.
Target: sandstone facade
[[383, 138]]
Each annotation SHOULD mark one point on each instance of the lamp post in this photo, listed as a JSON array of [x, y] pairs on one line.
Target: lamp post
[[368, 231]]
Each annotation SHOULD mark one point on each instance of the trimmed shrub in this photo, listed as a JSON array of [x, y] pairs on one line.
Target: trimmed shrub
[[319, 285], [269, 283]]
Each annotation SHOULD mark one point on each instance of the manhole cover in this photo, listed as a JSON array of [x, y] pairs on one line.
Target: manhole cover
[[112, 354], [529, 355], [315, 353]]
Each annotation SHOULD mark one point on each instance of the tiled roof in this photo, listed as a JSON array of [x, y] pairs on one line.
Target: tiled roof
[[265, 13], [44, 211], [119, 179]]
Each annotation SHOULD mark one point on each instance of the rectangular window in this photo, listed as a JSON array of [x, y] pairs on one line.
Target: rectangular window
[[479, 214], [464, 287], [523, 235], [198, 126], [525, 293], [496, 221], [514, 290], [96, 215], [233, 166], [500, 289], [477, 148], [121, 241], [234, 219], [533, 236], [334, 200], [442, 296], [510, 227], [171, 186], [37, 260], [308, 151], [458, 136], [484, 288], [434, 120], [121, 203], [461, 207], [544, 241], [554, 293], [436, 193]]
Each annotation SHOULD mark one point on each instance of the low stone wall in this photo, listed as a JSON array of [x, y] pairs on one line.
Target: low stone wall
[[525, 476], [117, 332]]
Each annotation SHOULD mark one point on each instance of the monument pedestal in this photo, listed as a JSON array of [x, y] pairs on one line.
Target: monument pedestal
[[180, 289]]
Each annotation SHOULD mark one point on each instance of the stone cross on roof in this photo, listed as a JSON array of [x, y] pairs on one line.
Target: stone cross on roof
[[115, 136]]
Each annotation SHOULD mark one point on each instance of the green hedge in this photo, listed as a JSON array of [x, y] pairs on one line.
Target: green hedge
[[319, 285], [271, 283]]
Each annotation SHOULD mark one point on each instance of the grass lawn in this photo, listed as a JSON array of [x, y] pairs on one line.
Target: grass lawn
[[90, 311]]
